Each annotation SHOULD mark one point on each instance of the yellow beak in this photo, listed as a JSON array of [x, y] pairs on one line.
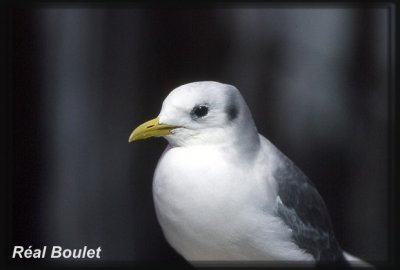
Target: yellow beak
[[149, 129]]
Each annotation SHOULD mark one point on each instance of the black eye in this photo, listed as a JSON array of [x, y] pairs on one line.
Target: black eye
[[200, 111]]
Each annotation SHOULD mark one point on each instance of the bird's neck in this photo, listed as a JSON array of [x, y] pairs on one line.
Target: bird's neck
[[248, 143]]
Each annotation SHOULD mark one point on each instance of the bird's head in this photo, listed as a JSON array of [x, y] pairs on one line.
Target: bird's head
[[200, 113]]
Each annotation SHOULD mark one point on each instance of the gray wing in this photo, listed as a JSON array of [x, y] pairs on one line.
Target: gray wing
[[305, 213]]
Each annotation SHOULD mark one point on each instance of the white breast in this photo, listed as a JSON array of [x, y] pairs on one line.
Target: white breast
[[211, 210]]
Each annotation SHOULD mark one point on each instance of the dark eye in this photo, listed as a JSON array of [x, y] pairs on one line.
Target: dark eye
[[200, 111]]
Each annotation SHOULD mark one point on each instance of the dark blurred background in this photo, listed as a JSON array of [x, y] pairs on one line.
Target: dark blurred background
[[315, 78]]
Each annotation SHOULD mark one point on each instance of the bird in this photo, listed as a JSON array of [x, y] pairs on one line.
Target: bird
[[224, 193]]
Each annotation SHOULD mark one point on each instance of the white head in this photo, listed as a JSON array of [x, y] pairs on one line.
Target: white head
[[201, 113]]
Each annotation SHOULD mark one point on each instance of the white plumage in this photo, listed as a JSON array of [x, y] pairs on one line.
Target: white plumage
[[223, 192]]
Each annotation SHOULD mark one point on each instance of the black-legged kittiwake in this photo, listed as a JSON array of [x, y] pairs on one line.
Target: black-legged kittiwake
[[224, 193]]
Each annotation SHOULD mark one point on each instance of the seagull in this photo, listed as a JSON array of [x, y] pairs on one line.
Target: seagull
[[224, 193]]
